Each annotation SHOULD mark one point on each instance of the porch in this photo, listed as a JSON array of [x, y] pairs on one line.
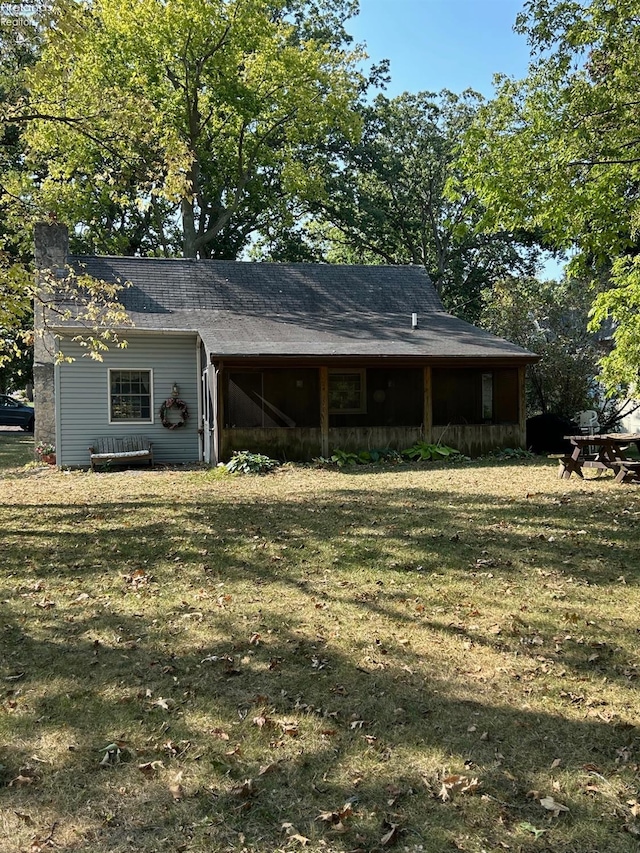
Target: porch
[[301, 412]]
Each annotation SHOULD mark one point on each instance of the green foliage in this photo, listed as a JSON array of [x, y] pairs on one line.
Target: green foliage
[[550, 319], [560, 151], [245, 462], [620, 307], [423, 451], [388, 203], [343, 458], [210, 114]]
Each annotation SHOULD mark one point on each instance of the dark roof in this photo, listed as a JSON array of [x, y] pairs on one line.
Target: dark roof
[[267, 309]]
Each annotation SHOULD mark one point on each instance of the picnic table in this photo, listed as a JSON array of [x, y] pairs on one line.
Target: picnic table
[[604, 451]]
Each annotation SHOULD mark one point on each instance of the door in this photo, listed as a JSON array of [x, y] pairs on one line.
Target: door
[[210, 453]]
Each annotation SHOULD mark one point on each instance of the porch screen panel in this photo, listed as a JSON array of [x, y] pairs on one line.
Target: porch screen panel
[[394, 398], [292, 398], [505, 396], [273, 398], [475, 396], [457, 396], [244, 401]]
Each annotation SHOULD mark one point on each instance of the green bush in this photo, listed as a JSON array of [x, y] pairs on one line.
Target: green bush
[[422, 451], [245, 462]]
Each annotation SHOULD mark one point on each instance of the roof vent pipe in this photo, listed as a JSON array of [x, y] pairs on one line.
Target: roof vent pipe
[[414, 321]]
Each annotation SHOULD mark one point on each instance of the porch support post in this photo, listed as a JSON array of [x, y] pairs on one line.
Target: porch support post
[[215, 430], [324, 411], [522, 405], [427, 415], [218, 413]]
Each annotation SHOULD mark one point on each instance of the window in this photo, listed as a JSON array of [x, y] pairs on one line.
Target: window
[[130, 396], [347, 391]]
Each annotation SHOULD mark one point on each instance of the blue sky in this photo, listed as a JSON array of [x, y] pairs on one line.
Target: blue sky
[[442, 44], [445, 44]]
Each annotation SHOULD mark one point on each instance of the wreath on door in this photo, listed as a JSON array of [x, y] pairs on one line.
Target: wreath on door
[[180, 406]]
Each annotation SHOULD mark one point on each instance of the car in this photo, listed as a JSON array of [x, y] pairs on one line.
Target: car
[[15, 413]]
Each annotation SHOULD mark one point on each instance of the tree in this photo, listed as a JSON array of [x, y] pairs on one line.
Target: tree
[[560, 151], [550, 319], [388, 203], [191, 122], [19, 45]]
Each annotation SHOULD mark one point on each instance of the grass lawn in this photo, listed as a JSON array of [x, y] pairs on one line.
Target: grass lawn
[[422, 658], [16, 448]]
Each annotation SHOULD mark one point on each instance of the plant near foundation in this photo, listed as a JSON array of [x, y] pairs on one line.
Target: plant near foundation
[[510, 453], [386, 454], [422, 451], [245, 462], [343, 458], [44, 449]]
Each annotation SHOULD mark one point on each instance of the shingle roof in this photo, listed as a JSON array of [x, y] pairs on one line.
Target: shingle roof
[[268, 309]]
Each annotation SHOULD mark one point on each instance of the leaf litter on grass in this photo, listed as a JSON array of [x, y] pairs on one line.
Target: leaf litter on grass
[[445, 641]]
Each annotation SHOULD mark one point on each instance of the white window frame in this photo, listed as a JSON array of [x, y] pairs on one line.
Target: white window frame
[[358, 371], [126, 421]]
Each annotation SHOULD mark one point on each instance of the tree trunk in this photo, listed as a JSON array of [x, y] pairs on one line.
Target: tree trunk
[[188, 229]]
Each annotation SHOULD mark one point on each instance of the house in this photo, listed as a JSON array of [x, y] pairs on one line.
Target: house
[[293, 360]]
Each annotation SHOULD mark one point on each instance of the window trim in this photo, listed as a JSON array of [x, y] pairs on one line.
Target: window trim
[[362, 373], [126, 421]]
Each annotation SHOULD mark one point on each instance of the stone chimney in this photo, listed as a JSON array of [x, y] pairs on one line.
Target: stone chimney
[[51, 248], [51, 245]]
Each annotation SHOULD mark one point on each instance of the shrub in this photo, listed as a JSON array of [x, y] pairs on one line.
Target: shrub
[[245, 462], [422, 451]]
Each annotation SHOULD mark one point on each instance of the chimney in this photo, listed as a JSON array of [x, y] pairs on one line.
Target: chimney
[[51, 245], [414, 321]]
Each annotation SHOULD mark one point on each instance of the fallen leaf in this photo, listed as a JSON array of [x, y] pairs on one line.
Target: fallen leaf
[[219, 733], [21, 781], [175, 789], [245, 790], [525, 826], [551, 805], [391, 836], [301, 839], [458, 784], [150, 768], [635, 807]]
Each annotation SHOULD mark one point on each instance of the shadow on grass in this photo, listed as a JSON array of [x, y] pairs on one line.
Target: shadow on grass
[[293, 613]]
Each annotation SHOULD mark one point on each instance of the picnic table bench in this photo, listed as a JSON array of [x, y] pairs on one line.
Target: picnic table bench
[[109, 450], [627, 471], [604, 451]]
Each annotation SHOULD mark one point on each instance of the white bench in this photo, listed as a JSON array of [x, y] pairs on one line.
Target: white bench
[[120, 451]]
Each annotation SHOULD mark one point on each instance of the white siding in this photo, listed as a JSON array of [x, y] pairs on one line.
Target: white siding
[[83, 397]]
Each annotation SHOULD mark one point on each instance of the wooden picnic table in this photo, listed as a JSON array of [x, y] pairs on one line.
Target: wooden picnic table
[[602, 451]]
